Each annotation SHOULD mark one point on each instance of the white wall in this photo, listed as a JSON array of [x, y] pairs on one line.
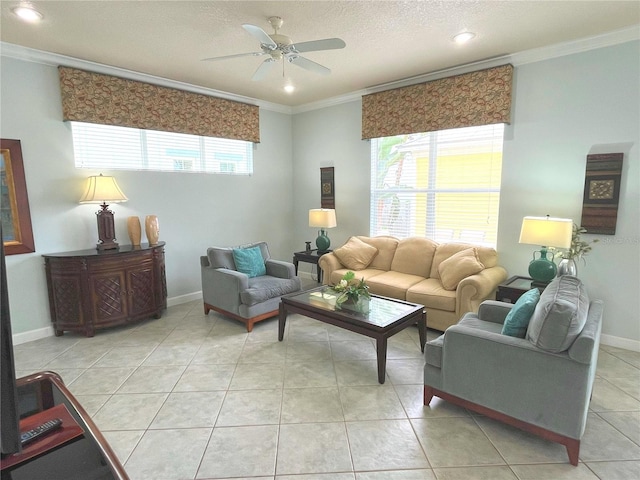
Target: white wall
[[564, 108], [195, 210]]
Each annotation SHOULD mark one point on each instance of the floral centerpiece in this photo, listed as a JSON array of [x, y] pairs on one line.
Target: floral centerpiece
[[352, 292]]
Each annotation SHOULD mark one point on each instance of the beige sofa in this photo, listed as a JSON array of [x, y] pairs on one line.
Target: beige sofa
[[449, 279]]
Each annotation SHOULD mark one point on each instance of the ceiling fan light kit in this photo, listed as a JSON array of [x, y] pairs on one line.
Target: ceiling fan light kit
[[281, 47]]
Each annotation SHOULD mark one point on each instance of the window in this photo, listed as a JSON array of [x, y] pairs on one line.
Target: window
[[442, 185], [105, 146]]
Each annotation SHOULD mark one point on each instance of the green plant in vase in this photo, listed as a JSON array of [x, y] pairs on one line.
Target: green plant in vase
[[352, 292], [576, 251]]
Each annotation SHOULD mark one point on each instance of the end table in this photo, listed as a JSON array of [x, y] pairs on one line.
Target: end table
[[311, 256], [513, 288]]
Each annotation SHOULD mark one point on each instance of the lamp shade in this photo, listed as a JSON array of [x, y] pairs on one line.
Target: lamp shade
[[322, 217], [101, 189], [546, 231]]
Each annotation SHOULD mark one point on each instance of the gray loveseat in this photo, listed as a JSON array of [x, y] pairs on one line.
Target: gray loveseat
[[242, 296], [542, 383]]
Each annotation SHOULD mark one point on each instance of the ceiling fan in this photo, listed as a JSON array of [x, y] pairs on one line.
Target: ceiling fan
[[280, 47]]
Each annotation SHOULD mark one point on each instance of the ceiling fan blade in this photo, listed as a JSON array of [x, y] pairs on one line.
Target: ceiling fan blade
[[315, 45], [260, 34], [225, 57], [309, 65], [263, 69]]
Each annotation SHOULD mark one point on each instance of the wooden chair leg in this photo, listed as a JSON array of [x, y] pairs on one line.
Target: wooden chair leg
[[573, 451], [428, 395]]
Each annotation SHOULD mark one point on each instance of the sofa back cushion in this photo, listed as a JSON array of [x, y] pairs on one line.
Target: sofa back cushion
[[486, 255], [458, 267], [386, 249], [414, 256], [356, 254], [222, 257], [560, 315]]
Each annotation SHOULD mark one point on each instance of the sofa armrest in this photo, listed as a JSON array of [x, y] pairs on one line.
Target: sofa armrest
[[221, 287], [280, 269], [494, 311], [329, 262], [473, 290], [512, 376]]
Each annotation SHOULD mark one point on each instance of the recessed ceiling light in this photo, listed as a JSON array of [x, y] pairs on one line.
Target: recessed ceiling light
[[463, 37], [289, 88], [27, 12]]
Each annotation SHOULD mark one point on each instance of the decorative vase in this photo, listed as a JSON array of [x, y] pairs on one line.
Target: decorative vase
[[152, 229], [567, 266], [135, 231]]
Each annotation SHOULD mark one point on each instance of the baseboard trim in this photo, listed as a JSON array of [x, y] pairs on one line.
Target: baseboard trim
[[37, 334], [186, 298], [619, 342]]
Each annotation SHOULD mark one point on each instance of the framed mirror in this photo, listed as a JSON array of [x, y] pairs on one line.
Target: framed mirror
[[17, 235]]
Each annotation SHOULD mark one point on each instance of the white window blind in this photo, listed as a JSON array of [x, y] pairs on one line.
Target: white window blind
[[442, 185], [105, 146]]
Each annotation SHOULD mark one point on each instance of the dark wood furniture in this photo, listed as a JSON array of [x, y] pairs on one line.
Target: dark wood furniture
[[311, 256], [386, 317], [514, 287], [93, 289], [77, 451]]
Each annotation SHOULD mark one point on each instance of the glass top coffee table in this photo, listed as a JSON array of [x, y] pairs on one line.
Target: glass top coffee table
[[385, 318]]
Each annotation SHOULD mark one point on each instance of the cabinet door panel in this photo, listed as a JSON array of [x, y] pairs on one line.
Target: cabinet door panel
[[67, 300], [108, 295], [140, 291]]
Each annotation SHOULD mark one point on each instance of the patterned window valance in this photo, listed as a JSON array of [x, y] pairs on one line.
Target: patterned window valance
[[472, 99], [96, 98]]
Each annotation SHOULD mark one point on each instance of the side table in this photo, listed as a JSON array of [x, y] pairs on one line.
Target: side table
[[514, 287], [311, 256]]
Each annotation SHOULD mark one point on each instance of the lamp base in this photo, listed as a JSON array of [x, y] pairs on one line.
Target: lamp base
[[542, 271], [106, 229], [322, 242]]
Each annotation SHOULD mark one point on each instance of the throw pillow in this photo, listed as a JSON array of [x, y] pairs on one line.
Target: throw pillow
[[356, 254], [458, 267], [517, 320], [560, 315], [249, 261]]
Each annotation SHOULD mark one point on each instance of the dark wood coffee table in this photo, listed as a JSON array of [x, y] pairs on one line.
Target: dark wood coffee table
[[386, 317]]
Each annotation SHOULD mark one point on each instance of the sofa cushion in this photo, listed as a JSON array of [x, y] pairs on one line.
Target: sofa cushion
[[431, 294], [367, 273], [249, 261], [414, 256], [221, 257], [392, 284], [265, 287], [458, 267], [517, 320], [486, 255], [560, 315], [356, 254], [386, 250]]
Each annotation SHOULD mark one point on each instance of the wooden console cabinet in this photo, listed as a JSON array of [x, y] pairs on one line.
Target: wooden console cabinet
[[93, 289]]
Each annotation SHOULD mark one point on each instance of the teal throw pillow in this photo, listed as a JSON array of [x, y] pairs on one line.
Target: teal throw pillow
[[517, 321], [249, 261]]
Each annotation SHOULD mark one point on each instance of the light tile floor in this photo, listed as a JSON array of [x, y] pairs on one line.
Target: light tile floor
[[190, 396]]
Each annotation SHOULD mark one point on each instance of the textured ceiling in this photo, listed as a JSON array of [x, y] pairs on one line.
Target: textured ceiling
[[386, 40]]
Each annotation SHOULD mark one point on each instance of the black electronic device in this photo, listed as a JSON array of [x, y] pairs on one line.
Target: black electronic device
[[40, 431]]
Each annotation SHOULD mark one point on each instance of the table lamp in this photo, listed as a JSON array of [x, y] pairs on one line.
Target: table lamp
[[322, 218], [546, 232], [101, 189]]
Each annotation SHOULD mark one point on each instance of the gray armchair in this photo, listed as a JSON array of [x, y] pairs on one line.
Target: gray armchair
[[542, 383], [240, 296]]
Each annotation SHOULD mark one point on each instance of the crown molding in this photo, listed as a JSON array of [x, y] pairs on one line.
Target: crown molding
[[53, 59], [516, 59]]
